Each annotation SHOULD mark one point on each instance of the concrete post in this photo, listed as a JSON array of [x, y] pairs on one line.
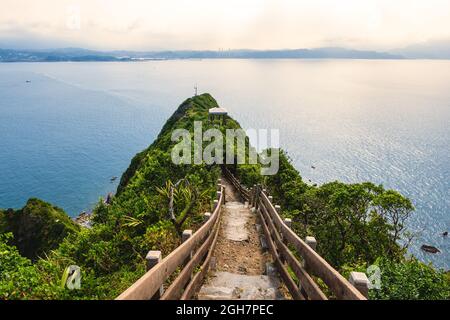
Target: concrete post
[[278, 209], [224, 195], [258, 194], [153, 258], [270, 199], [360, 281], [219, 193], [206, 216], [186, 235], [312, 242], [216, 203], [252, 196], [219, 186], [288, 222]]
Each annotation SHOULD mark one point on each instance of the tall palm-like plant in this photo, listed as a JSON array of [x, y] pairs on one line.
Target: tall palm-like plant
[[181, 193]]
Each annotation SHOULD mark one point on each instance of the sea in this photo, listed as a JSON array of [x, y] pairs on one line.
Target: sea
[[67, 129]]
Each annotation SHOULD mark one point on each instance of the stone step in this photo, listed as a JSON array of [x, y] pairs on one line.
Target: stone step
[[235, 221], [231, 286]]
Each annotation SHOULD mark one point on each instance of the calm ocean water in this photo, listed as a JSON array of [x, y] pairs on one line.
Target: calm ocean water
[[75, 125]]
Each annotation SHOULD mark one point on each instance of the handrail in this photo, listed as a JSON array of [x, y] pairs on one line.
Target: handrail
[[146, 287], [242, 190], [309, 289], [333, 279], [279, 236]]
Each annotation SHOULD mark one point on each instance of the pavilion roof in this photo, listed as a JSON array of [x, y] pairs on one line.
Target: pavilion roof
[[218, 111]]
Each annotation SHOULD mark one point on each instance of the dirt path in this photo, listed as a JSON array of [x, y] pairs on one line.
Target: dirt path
[[238, 248], [240, 263]]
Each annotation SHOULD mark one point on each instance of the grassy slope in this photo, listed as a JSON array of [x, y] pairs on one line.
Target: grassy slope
[[38, 227]]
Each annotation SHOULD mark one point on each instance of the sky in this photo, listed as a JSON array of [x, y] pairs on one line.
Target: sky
[[217, 25]]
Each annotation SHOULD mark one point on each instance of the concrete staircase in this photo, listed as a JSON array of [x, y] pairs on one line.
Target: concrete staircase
[[241, 269], [231, 286]]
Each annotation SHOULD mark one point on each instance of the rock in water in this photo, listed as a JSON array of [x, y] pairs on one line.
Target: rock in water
[[84, 219], [429, 249]]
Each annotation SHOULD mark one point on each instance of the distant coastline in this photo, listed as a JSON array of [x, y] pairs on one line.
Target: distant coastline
[[84, 55]]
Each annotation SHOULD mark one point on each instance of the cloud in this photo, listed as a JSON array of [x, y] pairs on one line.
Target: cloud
[[206, 24]]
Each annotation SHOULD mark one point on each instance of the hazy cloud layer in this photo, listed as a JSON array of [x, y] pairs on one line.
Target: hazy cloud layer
[[207, 24]]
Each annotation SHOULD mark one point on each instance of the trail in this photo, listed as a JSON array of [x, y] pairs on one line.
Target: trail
[[240, 268]]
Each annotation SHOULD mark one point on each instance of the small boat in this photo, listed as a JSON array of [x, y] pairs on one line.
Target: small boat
[[113, 179], [28, 81], [430, 249], [445, 234], [313, 167]]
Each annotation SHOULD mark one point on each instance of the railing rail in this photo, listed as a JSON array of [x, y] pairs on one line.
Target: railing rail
[[298, 268], [239, 187], [280, 237], [188, 256]]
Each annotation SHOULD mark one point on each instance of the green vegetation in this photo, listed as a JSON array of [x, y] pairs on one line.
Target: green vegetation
[[139, 218], [38, 227], [411, 279], [356, 225]]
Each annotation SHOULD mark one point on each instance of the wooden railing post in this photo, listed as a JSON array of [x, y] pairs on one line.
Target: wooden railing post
[[360, 281], [216, 203], [153, 258], [206, 216]]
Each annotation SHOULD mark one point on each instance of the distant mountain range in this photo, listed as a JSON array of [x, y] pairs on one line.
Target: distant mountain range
[[438, 49], [77, 54], [426, 50], [422, 51]]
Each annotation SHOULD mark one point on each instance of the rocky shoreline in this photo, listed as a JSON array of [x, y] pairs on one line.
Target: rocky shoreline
[[84, 219]]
